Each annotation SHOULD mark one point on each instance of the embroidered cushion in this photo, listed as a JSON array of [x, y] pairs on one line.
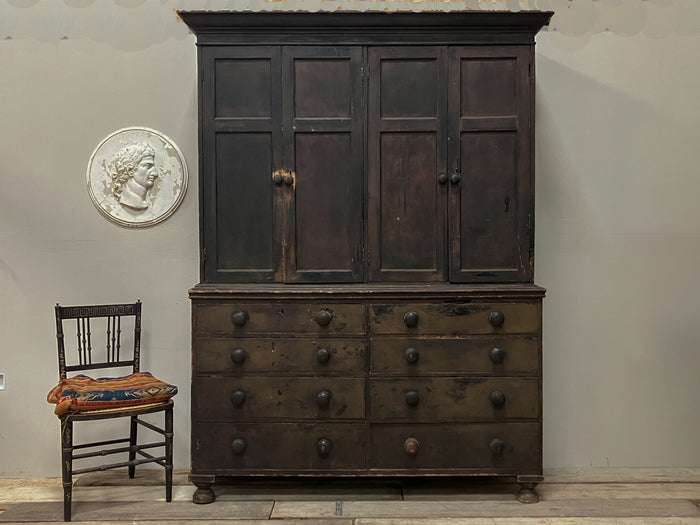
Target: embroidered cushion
[[85, 393]]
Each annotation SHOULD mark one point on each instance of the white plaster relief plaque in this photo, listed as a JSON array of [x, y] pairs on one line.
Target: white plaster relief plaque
[[137, 177]]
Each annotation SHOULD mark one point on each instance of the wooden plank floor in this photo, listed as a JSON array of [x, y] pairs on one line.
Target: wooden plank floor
[[569, 497]]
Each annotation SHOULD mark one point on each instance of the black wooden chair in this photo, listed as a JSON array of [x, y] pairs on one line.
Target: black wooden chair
[[83, 398]]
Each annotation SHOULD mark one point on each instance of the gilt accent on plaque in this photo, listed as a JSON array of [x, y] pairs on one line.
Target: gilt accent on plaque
[[137, 177]]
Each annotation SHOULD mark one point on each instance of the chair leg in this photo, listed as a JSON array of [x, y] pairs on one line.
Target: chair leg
[[67, 466], [132, 444], [169, 453]]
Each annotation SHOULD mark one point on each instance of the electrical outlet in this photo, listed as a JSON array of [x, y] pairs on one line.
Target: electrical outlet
[[2, 381]]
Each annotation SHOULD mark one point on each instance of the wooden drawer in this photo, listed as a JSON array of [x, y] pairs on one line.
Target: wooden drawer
[[454, 318], [493, 355], [238, 319], [277, 446], [454, 398], [279, 397], [248, 355], [501, 447]]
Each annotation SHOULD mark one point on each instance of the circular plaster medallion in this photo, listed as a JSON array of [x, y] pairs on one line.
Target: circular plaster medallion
[[137, 177]]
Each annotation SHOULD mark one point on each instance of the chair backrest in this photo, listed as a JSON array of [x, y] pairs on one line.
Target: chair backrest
[[90, 322]]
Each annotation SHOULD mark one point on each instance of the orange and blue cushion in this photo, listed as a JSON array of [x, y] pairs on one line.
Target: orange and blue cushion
[[81, 393]]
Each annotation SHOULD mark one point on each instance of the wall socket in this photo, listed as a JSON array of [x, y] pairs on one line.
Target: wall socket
[[2, 381]]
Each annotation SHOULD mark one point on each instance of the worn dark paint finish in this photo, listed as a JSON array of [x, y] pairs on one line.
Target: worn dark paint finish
[[281, 355], [276, 447], [457, 446], [454, 356], [453, 399], [384, 164]]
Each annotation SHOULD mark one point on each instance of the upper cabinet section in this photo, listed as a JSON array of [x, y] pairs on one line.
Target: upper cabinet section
[[366, 147]]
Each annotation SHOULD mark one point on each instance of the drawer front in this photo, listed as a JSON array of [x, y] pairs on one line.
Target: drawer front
[[248, 355], [280, 397], [455, 318], [502, 447], [238, 319], [277, 446], [497, 356], [454, 398]]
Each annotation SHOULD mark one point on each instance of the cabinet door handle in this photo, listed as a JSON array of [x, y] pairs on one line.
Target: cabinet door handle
[[455, 178], [442, 178], [277, 178]]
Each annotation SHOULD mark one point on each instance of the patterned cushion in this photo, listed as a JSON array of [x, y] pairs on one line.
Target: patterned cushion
[[85, 393]]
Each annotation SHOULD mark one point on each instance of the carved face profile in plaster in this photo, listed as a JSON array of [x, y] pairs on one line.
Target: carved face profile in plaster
[[133, 173]]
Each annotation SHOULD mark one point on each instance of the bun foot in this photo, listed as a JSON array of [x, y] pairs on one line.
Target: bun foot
[[527, 493], [204, 494]]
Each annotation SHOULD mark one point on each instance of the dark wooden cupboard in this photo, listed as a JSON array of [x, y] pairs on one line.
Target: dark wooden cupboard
[[367, 304]]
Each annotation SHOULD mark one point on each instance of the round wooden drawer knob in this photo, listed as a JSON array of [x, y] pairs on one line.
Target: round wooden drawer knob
[[238, 446], [323, 447], [238, 356], [412, 398], [411, 446], [324, 318], [410, 319], [498, 398], [238, 398], [239, 318], [497, 318], [497, 447], [412, 355], [323, 398], [323, 356], [497, 355]]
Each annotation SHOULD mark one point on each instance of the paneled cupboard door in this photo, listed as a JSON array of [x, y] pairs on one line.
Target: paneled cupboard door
[[407, 157], [450, 197], [241, 144], [283, 135], [323, 134], [491, 175]]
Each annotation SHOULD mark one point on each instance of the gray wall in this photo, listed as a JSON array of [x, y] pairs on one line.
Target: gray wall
[[618, 227]]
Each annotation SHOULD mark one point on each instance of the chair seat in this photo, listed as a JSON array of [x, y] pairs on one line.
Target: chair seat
[[83, 393]]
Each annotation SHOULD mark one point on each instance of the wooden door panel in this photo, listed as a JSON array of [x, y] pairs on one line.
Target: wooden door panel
[[408, 193], [323, 138], [241, 146], [326, 230], [245, 219], [243, 87], [407, 152], [489, 202], [490, 208]]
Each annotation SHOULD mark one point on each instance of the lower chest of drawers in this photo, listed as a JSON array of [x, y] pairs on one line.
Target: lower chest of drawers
[[408, 385]]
